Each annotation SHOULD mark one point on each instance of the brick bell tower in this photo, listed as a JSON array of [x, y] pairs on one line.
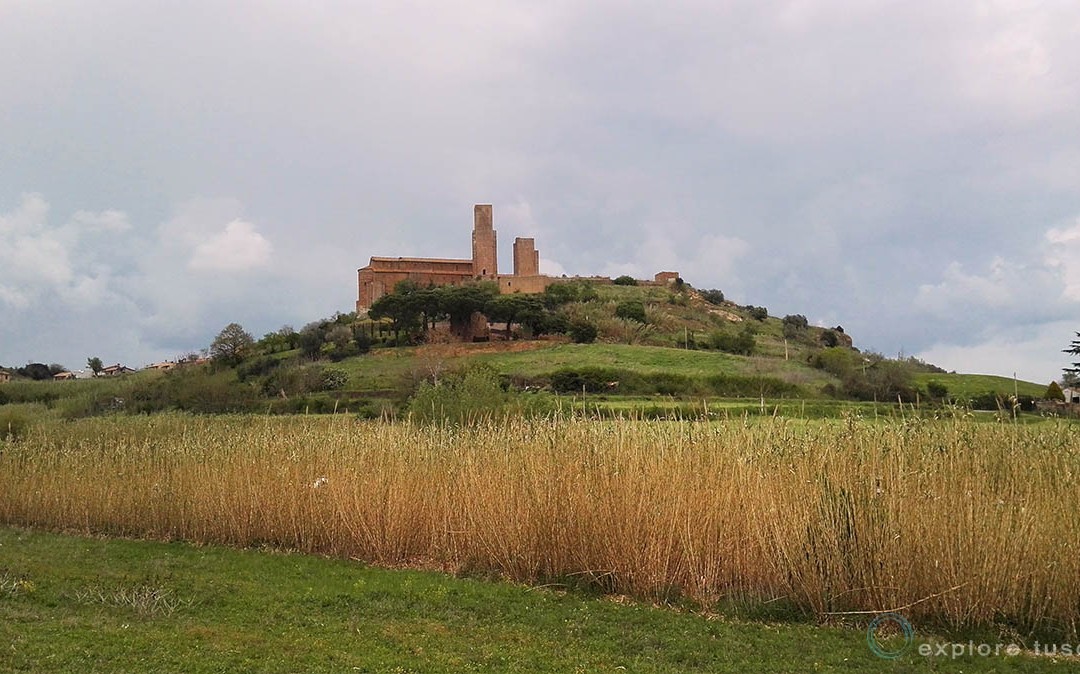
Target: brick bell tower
[[484, 245]]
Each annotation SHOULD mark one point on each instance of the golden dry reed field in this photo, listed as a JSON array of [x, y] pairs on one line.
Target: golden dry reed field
[[960, 522]]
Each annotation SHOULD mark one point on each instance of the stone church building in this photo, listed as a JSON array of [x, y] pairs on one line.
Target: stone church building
[[383, 273]]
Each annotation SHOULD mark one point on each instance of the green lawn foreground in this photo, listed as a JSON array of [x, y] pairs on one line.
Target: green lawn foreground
[[93, 605]]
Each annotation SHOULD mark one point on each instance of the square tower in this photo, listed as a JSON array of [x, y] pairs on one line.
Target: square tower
[[485, 255], [526, 257]]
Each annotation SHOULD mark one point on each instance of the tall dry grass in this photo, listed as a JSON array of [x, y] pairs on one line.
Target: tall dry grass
[[964, 523]]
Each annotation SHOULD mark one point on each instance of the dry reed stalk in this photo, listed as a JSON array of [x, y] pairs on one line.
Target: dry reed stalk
[[962, 522]]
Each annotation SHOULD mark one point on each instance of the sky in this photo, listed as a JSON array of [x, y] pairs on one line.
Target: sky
[[908, 170]]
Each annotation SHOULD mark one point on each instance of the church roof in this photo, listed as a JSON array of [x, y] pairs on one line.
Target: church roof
[[431, 261]]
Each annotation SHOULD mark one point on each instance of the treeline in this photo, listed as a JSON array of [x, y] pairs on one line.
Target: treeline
[[629, 382], [39, 371], [414, 310]]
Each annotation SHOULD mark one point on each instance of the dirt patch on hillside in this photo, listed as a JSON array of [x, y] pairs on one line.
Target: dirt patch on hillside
[[726, 315]]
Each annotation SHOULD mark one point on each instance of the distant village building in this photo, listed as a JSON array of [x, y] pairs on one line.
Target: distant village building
[[383, 273], [5, 376], [163, 366], [64, 376], [1072, 395], [115, 370]]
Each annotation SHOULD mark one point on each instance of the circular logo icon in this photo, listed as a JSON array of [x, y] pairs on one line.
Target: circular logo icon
[[882, 642]]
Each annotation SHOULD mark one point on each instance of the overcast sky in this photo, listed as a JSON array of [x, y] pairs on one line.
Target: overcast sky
[[909, 170]]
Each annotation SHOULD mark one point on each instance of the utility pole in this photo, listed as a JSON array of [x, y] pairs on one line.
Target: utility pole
[[1016, 396]]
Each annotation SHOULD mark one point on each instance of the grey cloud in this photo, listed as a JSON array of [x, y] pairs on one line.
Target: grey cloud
[[827, 157]]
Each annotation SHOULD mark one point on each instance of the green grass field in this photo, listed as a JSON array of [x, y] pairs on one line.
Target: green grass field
[[962, 385], [70, 604], [383, 368]]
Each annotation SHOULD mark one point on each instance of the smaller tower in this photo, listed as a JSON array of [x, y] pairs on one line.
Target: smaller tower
[[485, 255], [526, 257]]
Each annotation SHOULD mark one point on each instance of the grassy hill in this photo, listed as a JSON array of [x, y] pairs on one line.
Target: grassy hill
[[967, 385], [383, 368], [684, 344]]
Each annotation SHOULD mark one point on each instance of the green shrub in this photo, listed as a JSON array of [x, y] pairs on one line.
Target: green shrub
[[583, 332], [878, 379], [588, 379], [294, 381], [998, 401], [15, 421], [713, 296], [474, 395], [937, 390], [632, 310], [625, 280], [256, 367], [625, 382], [757, 313], [374, 409], [741, 343], [837, 361], [334, 379], [668, 383], [552, 324], [795, 325], [43, 392], [189, 391], [558, 294]]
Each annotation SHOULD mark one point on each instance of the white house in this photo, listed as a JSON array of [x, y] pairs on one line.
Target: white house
[[1072, 394]]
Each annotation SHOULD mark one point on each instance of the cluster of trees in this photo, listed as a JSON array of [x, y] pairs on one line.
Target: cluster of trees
[[757, 313], [715, 297], [40, 371], [795, 326], [742, 342], [413, 309], [867, 376], [334, 338]]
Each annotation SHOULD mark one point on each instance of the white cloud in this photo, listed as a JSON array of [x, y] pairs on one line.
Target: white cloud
[[13, 298], [1000, 287], [90, 290], [1044, 281], [821, 157], [239, 247], [59, 263], [1011, 317], [551, 268], [105, 221], [1063, 256], [33, 256], [1033, 353], [712, 256]]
